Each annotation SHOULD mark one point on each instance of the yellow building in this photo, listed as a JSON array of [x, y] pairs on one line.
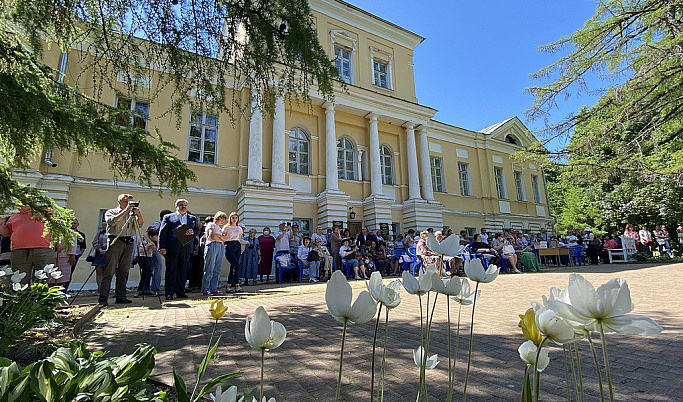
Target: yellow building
[[375, 155]]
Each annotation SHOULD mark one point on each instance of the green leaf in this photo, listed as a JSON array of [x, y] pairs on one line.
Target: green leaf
[[180, 387], [527, 395], [207, 358], [216, 381], [135, 367], [19, 390], [42, 382]]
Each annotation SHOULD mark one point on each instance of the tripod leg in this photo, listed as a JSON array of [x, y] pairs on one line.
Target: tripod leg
[[139, 235], [82, 286]]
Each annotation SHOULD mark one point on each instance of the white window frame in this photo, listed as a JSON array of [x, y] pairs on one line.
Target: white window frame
[[536, 186], [133, 110], [342, 171], [465, 181], [298, 158], [385, 58], [340, 38], [347, 78], [437, 172], [386, 155], [519, 185], [501, 189], [202, 126], [300, 221]]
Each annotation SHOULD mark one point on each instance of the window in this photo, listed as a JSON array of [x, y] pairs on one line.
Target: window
[[511, 139], [381, 71], [298, 151], [500, 182], [386, 157], [346, 159], [344, 63], [536, 185], [437, 174], [464, 171], [304, 226], [137, 112], [519, 185], [395, 230], [471, 232], [203, 135]]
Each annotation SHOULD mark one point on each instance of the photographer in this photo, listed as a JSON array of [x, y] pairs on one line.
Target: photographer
[[120, 232]]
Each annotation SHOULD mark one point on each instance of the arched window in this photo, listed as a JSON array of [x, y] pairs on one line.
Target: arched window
[[512, 140], [346, 159], [299, 146], [386, 157]]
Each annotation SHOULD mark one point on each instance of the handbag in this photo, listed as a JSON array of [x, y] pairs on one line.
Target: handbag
[[91, 255]]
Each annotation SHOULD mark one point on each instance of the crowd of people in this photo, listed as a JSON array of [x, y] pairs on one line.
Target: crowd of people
[[193, 250]]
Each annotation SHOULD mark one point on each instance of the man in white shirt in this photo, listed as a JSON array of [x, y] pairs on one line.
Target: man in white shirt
[[282, 234], [484, 236]]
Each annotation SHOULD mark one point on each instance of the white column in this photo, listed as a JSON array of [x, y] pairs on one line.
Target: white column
[[425, 166], [375, 169], [413, 178], [331, 173], [279, 142], [255, 164]]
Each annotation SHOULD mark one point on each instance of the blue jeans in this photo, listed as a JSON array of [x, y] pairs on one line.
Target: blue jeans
[[213, 260], [157, 267]]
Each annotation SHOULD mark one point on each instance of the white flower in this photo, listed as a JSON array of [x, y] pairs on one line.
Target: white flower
[[40, 274], [609, 305], [56, 274], [229, 395], [6, 271], [18, 287], [338, 295], [527, 351], [418, 357], [389, 295], [554, 327], [419, 286], [449, 287], [17, 276], [475, 271], [253, 399], [262, 333], [449, 246], [466, 296], [49, 268]]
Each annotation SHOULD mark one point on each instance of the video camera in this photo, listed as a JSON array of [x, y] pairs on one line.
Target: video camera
[[135, 204]]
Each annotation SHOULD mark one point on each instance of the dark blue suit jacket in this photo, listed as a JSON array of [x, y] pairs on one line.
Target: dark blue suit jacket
[[168, 239]]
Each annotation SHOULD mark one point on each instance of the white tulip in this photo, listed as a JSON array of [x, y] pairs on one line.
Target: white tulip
[[17, 276], [40, 274], [465, 297], [418, 357], [450, 246], [608, 306], [338, 295], [419, 286], [475, 271], [56, 274], [554, 327], [6, 271], [229, 395], [262, 333], [389, 295], [253, 399], [18, 287], [49, 268], [527, 351], [449, 287]]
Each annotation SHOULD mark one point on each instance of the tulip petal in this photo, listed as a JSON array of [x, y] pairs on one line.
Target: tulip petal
[[278, 334], [247, 333], [260, 327], [433, 244], [613, 299], [432, 361], [491, 274], [375, 285], [582, 295], [338, 296], [417, 356], [438, 284], [451, 245], [453, 286], [631, 324], [363, 309], [409, 283], [474, 270]]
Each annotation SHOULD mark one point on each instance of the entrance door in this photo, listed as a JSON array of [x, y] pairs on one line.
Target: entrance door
[[355, 228]]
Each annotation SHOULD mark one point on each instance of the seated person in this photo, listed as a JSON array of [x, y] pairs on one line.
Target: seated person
[[482, 248], [499, 244], [348, 255], [428, 256], [608, 244], [309, 258], [379, 255], [366, 253], [325, 258]]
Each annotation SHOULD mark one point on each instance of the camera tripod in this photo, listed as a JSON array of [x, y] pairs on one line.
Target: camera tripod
[[138, 234]]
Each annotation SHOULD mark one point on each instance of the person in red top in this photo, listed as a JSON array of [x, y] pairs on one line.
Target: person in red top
[[31, 250], [608, 244]]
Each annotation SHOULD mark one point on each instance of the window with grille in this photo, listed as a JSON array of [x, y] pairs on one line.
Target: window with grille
[[464, 171], [346, 159], [535, 184], [386, 156], [137, 112], [519, 186], [381, 71], [437, 174], [299, 146], [344, 63], [203, 138], [500, 182]]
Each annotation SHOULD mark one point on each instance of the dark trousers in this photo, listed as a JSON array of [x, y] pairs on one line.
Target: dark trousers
[[232, 254], [197, 270], [146, 270], [117, 260], [176, 272]]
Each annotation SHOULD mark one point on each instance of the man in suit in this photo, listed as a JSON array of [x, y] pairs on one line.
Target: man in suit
[[363, 238], [177, 256]]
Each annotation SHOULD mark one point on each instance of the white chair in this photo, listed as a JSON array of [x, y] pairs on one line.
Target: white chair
[[628, 247]]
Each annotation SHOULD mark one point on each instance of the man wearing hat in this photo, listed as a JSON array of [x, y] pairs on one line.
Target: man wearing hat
[[282, 237], [295, 240]]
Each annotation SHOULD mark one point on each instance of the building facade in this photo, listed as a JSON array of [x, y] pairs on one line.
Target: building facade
[[374, 157]]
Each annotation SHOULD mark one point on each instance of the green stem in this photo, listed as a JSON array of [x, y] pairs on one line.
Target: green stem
[[578, 369], [604, 357], [208, 348], [426, 350], [597, 367], [341, 361], [384, 355], [537, 372], [449, 396], [525, 397], [469, 356], [374, 345], [566, 373], [263, 353], [419, 390], [571, 361]]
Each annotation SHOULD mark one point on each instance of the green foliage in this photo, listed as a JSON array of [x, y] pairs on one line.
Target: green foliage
[[25, 309], [75, 374]]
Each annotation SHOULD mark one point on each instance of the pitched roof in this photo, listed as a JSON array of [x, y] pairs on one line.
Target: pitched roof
[[491, 129]]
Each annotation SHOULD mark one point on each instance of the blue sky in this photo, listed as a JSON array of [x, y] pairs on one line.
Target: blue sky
[[474, 64]]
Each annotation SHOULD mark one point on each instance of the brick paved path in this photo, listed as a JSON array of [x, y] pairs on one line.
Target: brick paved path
[[305, 367]]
